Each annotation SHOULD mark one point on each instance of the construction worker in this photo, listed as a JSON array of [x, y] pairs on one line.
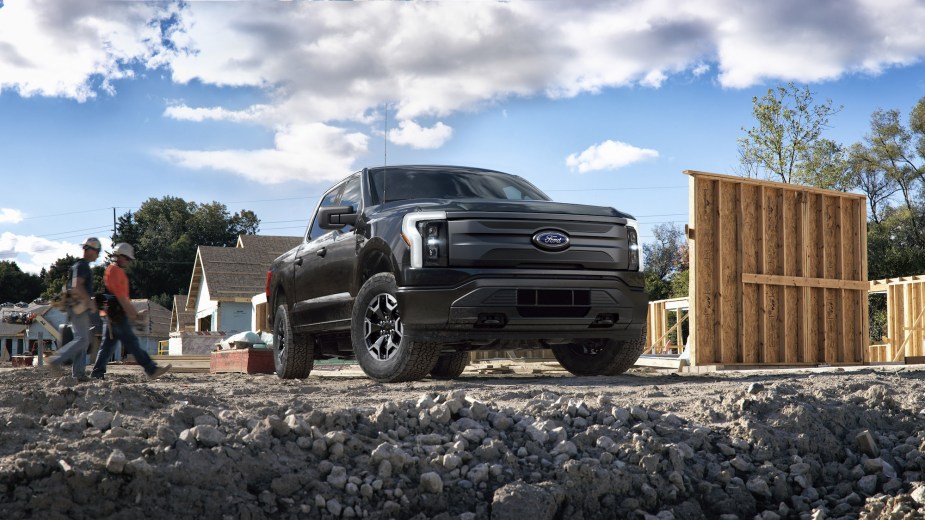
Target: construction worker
[[120, 313], [80, 309]]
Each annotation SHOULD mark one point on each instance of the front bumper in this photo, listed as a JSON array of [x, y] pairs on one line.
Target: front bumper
[[523, 307]]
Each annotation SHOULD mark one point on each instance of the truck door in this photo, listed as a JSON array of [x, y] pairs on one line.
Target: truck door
[[335, 259], [308, 285]]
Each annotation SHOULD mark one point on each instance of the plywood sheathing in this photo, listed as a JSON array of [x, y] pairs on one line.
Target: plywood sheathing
[[778, 273]]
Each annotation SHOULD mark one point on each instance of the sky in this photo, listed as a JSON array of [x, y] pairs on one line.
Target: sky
[[262, 105]]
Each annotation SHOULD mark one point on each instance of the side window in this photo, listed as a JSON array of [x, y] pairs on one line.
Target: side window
[[327, 200], [351, 196], [513, 193]]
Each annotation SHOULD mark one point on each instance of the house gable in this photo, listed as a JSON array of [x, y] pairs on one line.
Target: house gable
[[233, 274]]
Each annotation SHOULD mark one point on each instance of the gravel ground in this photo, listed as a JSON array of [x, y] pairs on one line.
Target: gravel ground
[[820, 443]]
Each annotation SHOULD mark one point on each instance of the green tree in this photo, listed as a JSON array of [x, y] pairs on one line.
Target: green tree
[[665, 258], [166, 232], [54, 278], [896, 153], [872, 180], [56, 275], [787, 144], [16, 285], [889, 165]]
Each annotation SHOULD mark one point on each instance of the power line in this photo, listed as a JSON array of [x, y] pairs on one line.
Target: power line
[[272, 200], [97, 228], [663, 215], [65, 214], [625, 189], [282, 221]]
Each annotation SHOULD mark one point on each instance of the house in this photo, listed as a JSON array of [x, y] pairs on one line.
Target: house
[[225, 279], [21, 327]]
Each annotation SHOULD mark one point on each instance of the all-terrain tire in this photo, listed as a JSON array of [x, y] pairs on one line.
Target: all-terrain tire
[[376, 332], [450, 366], [293, 354], [604, 357]]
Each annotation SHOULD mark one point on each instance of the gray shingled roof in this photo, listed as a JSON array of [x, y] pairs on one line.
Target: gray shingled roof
[[11, 329], [237, 273]]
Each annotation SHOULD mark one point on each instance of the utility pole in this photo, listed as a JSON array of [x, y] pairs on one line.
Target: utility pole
[[113, 223]]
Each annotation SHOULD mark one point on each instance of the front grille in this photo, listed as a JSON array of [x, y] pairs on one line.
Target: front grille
[[498, 243]]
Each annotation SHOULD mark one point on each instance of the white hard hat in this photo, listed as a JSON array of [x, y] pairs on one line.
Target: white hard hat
[[124, 250], [92, 243]]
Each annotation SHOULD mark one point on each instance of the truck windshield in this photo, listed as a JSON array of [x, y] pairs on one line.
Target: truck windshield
[[402, 184]]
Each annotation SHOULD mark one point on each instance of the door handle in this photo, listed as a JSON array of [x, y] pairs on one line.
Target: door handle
[[298, 261], [323, 251]]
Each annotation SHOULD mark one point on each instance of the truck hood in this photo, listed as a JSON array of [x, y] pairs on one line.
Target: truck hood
[[472, 206]]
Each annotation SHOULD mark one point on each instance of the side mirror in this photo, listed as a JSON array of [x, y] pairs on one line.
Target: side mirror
[[336, 217]]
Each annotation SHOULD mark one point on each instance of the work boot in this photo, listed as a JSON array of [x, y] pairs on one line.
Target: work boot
[[159, 371]]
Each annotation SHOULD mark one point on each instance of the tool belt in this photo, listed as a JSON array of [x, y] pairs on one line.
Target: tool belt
[[110, 305], [67, 300]]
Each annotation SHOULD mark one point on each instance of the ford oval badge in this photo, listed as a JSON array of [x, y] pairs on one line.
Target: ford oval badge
[[550, 240]]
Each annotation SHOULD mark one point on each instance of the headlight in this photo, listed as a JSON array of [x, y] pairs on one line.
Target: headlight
[[632, 239], [425, 232]]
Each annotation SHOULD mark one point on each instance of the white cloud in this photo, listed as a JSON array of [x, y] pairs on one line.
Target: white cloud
[[336, 64], [312, 152], [412, 134], [183, 112], [10, 216], [52, 48], [609, 155], [32, 253]]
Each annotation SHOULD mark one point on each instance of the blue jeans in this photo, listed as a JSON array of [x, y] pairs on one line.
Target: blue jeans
[[121, 330], [76, 349]]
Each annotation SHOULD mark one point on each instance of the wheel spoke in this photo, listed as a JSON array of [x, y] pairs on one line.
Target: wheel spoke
[[376, 348], [280, 348], [382, 328]]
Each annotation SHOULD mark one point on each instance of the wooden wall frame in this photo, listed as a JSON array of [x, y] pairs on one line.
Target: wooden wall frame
[[778, 273], [905, 309]]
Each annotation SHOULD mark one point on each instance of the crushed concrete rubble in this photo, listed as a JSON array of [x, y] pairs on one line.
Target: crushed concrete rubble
[[805, 444]]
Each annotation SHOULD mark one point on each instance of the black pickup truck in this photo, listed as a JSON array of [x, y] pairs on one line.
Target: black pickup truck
[[409, 268]]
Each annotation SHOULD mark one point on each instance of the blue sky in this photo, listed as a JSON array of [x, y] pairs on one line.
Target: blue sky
[[260, 105]]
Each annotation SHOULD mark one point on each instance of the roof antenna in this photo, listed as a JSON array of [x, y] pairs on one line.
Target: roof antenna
[[385, 145], [385, 149]]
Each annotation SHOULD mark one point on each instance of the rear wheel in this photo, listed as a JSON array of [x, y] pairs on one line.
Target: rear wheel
[[450, 366], [293, 354], [600, 357], [377, 334]]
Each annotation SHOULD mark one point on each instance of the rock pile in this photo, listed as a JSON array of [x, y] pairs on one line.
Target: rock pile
[[765, 451]]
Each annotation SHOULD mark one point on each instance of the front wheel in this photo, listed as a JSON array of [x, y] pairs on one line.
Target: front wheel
[[293, 354], [377, 335], [600, 357]]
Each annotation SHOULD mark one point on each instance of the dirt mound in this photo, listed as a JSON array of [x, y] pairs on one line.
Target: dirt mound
[[834, 443]]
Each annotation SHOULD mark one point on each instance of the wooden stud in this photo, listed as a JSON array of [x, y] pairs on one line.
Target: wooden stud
[[773, 265], [792, 253], [693, 280], [729, 285], [831, 296], [705, 295], [750, 337]]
